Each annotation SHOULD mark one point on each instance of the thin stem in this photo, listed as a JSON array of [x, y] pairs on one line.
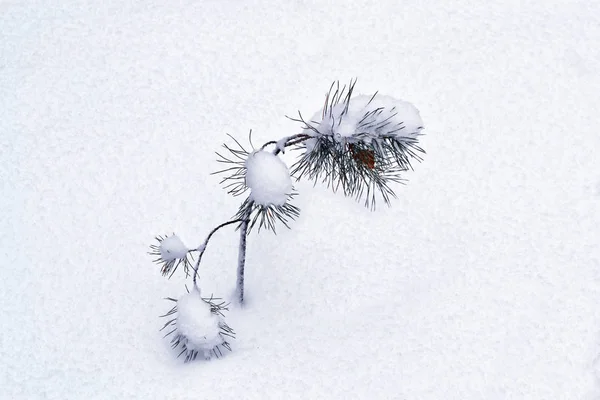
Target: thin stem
[[268, 143], [242, 255], [287, 141], [202, 247], [298, 141]]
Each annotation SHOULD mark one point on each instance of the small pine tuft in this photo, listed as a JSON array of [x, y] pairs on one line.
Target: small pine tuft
[[170, 253], [198, 313]]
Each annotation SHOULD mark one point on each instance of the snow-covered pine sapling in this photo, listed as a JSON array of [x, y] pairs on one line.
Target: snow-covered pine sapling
[[359, 144]]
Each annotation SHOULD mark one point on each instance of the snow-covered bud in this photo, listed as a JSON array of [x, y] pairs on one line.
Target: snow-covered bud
[[196, 324], [172, 248], [268, 179], [198, 327], [170, 252]]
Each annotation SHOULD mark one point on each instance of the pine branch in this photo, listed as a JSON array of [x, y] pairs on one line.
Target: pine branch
[[361, 156]]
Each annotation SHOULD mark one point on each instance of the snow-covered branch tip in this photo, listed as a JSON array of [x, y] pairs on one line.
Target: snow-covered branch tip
[[171, 253], [268, 179], [197, 326], [360, 144]]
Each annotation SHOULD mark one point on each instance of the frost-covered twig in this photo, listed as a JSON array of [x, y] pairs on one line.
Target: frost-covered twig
[[287, 141], [202, 247]]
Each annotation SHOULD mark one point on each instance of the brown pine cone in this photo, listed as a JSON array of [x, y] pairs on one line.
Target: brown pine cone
[[367, 157]]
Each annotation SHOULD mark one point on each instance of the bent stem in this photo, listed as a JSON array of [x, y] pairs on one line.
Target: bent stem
[[202, 247], [287, 141]]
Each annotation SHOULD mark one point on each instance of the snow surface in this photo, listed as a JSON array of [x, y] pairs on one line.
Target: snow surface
[[268, 179], [480, 282]]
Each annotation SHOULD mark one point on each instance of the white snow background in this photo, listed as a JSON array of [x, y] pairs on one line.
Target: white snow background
[[480, 282]]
